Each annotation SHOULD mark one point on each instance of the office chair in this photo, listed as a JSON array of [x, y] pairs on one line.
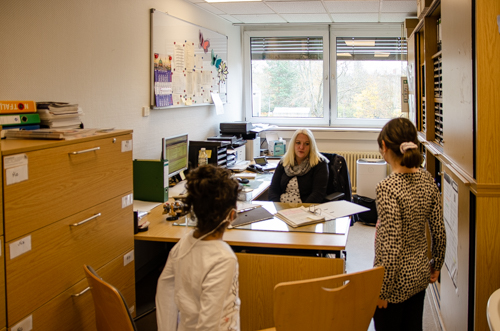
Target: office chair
[[340, 302], [111, 310], [339, 181]]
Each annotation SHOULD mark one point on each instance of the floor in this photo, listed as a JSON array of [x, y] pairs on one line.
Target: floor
[[360, 254]]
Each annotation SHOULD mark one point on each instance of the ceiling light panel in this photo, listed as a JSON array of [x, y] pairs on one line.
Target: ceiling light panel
[[307, 18], [304, 7], [352, 6]]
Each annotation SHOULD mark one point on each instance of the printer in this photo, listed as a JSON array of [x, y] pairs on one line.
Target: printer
[[243, 131]]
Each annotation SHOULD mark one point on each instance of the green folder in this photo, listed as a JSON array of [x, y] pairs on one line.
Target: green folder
[[19, 119], [151, 180]]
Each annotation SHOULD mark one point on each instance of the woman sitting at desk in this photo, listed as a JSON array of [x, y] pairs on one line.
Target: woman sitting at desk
[[302, 174]]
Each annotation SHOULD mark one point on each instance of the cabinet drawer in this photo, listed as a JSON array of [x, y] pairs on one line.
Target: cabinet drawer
[[61, 183], [3, 315], [68, 313], [58, 251]]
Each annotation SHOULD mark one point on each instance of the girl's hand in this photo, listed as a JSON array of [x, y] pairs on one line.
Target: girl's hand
[[434, 275], [382, 303]]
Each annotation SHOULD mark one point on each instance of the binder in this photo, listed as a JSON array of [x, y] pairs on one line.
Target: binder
[[151, 180], [8, 120], [17, 107]]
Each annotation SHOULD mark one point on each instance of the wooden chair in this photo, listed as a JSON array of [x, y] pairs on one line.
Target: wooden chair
[[111, 310], [341, 302]]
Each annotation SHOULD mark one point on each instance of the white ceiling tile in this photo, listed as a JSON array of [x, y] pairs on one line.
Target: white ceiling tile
[[307, 18], [210, 8], [352, 6], [353, 18], [395, 17], [243, 7], [230, 18], [269, 18], [398, 6], [297, 7]]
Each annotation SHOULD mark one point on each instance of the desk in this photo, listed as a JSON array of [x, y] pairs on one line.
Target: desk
[[165, 231], [259, 273]]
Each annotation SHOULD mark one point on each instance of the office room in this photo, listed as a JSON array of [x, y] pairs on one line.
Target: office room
[[97, 54]]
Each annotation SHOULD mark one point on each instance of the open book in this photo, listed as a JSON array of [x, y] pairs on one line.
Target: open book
[[300, 216]]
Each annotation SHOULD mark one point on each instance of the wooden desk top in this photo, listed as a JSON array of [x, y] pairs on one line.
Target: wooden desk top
[[162, 230]]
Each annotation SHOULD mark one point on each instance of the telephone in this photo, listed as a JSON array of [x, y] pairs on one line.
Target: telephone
[[255, 168]]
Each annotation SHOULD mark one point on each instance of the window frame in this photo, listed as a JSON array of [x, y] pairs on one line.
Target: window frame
[[355, 30], [321, 31], [329, 32]]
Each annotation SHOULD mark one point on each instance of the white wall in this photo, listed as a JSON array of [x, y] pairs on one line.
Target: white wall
[[97, 53]]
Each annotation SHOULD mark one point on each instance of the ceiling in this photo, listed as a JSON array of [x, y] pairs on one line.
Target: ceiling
[[311, 11]]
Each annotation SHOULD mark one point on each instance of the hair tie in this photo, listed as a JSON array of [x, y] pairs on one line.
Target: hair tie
[[405, 146]]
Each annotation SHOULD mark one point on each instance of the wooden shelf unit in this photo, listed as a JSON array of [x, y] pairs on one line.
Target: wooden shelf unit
[[456, 114]]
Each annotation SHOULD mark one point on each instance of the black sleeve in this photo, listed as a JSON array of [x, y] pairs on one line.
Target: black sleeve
[[275, 188], [319, 183]]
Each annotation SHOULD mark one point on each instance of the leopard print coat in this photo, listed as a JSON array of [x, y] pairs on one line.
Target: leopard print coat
[[405, 203]]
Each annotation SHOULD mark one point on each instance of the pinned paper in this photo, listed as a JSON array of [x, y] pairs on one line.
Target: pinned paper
[[498, 23], [219, 108]]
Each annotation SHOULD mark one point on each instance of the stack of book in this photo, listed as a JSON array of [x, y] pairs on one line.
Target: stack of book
[[59, 115], [18, 115]]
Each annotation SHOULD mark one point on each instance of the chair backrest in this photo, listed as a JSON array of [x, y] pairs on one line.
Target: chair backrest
[[111, 310], [493, 311], [341, 302], [338, 178]]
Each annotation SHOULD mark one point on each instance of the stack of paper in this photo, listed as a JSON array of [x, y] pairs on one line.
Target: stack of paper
[[299, 216], [60, 115], [57, 134]]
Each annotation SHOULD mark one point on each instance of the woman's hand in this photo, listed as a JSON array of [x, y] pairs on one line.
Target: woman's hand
[[382, 303]]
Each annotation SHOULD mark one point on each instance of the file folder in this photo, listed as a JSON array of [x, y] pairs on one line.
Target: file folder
[[151, 180], [8, 120]]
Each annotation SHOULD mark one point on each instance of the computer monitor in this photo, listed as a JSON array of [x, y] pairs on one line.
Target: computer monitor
[[175, 150]]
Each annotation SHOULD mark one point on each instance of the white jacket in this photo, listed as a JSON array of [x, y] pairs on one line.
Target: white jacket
[[198, 289]]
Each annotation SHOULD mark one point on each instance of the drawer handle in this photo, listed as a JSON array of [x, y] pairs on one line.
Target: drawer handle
[[86, 150], [85, 221], [81, 293]]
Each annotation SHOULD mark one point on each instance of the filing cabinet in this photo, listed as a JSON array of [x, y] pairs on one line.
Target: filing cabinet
[[66, 203]]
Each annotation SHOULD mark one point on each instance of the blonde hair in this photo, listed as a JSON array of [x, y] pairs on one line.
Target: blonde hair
[[314, 155]]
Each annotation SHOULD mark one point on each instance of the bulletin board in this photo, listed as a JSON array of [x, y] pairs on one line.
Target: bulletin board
[[188, 63]]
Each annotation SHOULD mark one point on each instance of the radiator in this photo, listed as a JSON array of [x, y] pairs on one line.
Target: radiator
[[351, 157]]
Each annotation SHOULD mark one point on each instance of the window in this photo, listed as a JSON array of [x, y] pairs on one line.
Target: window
[[288, 75]]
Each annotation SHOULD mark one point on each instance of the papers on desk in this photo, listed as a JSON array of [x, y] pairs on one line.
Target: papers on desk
[[340, 208], [146, 206], [239, 166], [299, 216]]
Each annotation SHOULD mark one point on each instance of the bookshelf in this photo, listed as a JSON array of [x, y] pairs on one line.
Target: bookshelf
[[454, 59]]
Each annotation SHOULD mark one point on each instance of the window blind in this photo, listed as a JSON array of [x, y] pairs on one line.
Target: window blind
[[373, 49], [286, 48]]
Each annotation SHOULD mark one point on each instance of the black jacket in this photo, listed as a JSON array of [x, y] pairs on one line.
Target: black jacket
[[339, 180], [312, 185]]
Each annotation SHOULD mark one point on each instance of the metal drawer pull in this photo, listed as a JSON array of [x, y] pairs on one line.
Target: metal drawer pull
[[85, 221], [81, 293], [86, 150]]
